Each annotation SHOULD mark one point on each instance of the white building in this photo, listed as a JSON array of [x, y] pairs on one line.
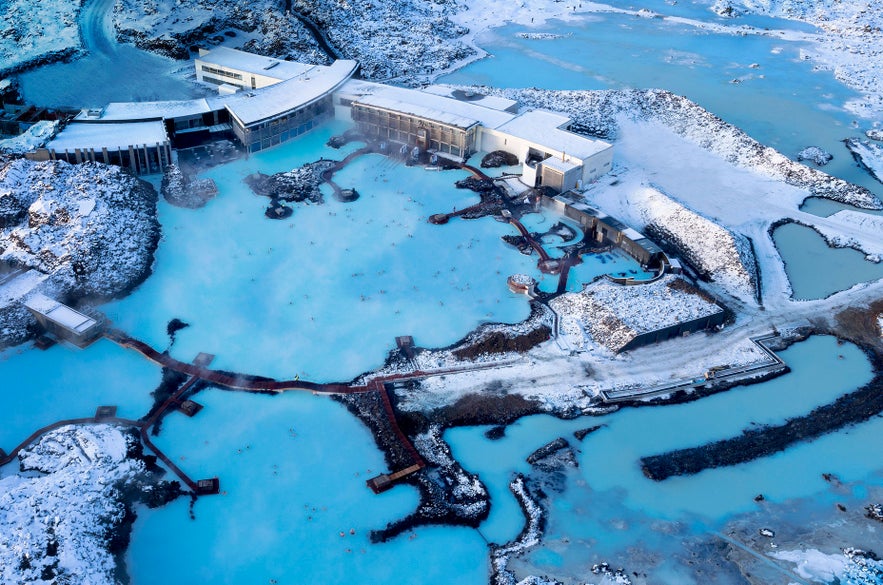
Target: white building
[[223, 66], [63, 321], [267, 101], [143, 147], [460, 124]]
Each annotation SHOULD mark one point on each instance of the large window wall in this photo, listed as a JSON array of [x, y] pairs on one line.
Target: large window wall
[[405, 129], [284, 127]]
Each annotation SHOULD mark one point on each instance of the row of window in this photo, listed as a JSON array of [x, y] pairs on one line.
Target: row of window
[[449, 144], [220, 72]]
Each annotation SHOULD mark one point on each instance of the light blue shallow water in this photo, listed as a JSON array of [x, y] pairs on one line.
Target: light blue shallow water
[[260, 529], [42, 387], [293, 471], [324, 293], [816, 270], [609, 506], [782, 102]]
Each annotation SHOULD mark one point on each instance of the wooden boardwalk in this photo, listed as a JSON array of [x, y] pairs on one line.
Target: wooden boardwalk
[[199, 371]]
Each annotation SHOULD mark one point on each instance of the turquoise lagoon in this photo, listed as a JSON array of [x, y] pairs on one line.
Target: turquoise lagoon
[[608, 507], [807, 256], [782, 102], [281, 298]]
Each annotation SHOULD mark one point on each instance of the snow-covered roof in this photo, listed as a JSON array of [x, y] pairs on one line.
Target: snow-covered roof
[[97, 135], [60, 314], [435, 107], [122, 111], [488, 101], [419, 110], [544, 128], [562, 166], [632, 234], [253, 106], [252, 63]]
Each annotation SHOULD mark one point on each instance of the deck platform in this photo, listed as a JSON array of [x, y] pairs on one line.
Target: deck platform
[[190, 407], [208, 487], [383, 482], [405, 343], [105, 412]]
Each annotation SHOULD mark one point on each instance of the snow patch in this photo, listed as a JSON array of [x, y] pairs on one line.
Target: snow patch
[[58, 514]]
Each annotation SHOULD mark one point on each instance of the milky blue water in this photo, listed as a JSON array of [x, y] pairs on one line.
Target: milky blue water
[[42, 387], [782, 102], [609, 506], [293, 471], [324, 293], [817, 270]]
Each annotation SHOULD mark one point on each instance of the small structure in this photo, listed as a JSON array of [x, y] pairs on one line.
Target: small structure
[[203, 360], [142, 147], [190, 407], [384, 481], [63, 321], [607, 230], [208, 487], [105, 412], [406, 345], [242, 70], [521, 284]]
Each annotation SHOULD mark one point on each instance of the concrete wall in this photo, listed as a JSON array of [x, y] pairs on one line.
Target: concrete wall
[[678, 330], [592, 167]]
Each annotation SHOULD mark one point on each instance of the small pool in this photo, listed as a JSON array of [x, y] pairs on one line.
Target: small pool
[[816, 270]]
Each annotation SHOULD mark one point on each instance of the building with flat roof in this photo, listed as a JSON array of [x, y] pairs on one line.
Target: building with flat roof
[[143, 147], [63, 321], [459, 123], [551, 154], [274, 114], [607, 230], [243, 70]]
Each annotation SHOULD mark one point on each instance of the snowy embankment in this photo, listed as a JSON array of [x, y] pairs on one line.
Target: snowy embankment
[[853, 567], [850, 42], [714, 251], [392, 40], [530, 535], [869, 155], [854, 221], [36, 32], [613, 315], [172, 27], [602, 112], [92, 228], [63, 515]]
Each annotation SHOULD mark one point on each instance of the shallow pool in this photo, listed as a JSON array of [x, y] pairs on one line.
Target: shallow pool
[[817, 270], [608, 506], [324, 293]]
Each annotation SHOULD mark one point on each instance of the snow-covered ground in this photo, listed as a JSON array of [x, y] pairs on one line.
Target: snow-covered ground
[[92, 228], [58, 515], [613, 315], [852, 567], [171, 27], [869, 154], [36, 30], [35, 137]]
